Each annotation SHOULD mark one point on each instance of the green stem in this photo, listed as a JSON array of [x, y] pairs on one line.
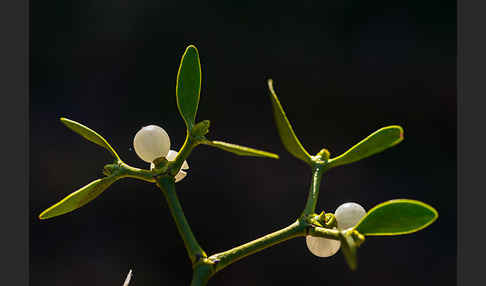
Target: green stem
[[324, 232], [310, 205], [228, 257], [203, 270], [127, 171], [204, 267], [189, 145], [194, 137], [194, 250]]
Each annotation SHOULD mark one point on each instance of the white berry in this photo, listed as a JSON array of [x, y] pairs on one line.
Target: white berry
[[321, 246], [171, 157], [348, 215], [151, 142]]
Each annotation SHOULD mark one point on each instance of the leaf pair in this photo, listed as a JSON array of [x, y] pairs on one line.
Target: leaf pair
[[89, 192], [394, 217], [188, 89], [378, 141]]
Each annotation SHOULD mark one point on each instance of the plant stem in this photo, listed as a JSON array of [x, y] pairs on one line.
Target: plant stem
[[205, 267], [184, 152], [228, 257], [324, 232], [194, 250], [127, 171], [203, 270], [310, 205]]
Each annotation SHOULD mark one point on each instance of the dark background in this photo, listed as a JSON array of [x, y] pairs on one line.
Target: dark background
[[341, 70]]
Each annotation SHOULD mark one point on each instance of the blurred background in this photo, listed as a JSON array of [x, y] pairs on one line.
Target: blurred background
[[342, 69]]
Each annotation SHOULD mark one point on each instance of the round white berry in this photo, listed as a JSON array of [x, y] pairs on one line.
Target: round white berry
[[348, 215], [321, 246], [171, 157], [151, 142]]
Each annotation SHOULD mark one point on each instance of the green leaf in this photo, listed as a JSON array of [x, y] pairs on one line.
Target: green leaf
[[348, 246], [397, 217], [188, 86], [240, 150], [89, 134], [285, 131], [79, 198], [378, 141]]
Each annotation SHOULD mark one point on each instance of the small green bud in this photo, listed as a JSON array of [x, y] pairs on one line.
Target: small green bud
[[201, 128], [322, 217], [323, 155], [108, 169], [330, 220]]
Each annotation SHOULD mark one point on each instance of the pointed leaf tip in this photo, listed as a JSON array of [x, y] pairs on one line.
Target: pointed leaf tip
[[188, 86], [285, 130], [89, 134], [376, 142], [240, 150], [78, 198]]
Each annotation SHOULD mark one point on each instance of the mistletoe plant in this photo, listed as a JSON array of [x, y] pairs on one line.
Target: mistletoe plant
[[325, 232]]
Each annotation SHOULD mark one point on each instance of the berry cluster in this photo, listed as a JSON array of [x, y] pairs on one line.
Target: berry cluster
[[151, 143], [347, 215]]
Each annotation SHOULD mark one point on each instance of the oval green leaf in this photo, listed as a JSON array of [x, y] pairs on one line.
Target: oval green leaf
[[378, 141], [285, 130], [188, 85], [89, 134], [79, 198], [397, 217], [349, 249], [240, 150]]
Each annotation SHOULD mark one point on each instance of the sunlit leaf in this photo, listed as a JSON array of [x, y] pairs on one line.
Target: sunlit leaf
[[89, 134], [79, 198], [285, 131], [397, 217], [240, 150], [188, 85], [378, 141]]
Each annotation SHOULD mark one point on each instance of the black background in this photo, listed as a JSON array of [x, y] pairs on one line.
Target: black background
[[341, 70]]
